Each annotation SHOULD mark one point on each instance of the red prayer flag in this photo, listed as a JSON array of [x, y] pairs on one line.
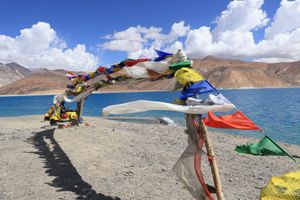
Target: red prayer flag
[[236, 120], [130, 63]]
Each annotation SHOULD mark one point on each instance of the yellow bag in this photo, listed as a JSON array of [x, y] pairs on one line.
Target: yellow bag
[[186, 75], [285, 187]]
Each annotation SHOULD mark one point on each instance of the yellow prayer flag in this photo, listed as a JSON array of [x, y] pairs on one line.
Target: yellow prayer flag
[[285, 187], [185, 75]]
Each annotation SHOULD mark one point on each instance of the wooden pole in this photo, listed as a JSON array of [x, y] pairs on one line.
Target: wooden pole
[[212, 160], [80, 108]]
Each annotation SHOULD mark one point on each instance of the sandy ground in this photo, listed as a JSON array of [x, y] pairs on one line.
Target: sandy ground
[[117, 160]]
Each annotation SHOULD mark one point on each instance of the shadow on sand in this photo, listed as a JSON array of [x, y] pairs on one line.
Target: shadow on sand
[[60, 166]]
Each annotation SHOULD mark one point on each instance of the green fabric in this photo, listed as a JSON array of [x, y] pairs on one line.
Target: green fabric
[[266, 146], [180, 65]]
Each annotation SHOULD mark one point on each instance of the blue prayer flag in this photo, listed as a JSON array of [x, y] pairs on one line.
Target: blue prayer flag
[[161, 55], [197, 88], [110, 69]]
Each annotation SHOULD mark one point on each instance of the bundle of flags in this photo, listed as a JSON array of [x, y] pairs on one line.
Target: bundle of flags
[[86, 76], [165, 65], [195, 84]]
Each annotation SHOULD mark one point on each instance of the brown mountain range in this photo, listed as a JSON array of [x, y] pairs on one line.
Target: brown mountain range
[[227, 73], [222, 73], [45, 81], [11, 72]]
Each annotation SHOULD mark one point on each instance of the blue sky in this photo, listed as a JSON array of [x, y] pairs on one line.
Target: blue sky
[[85, 21], [90, 22]]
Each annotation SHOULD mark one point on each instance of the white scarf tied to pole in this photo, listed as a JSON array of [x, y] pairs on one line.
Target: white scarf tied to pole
[[144, 105]]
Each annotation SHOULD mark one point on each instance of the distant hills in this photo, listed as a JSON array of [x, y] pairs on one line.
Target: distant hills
[[11, 72], [227, 73], [222, 73], [38, 82]]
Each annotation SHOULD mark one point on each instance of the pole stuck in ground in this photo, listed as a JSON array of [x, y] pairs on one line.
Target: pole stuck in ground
[[196, 131], [212, 159]]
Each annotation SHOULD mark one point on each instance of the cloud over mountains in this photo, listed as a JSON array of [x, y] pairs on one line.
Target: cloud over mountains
[[40, 47], [232, 36]]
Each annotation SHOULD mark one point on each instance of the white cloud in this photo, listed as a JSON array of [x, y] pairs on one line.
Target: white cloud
[[138, 41], [242, 16], [177, 30], [146, 52], [287, 19], [131, 39], [40, 47], [283, 46], [174, 47], [152, 33], [131, 34], [123, 45], [232, 37], [199, 42]]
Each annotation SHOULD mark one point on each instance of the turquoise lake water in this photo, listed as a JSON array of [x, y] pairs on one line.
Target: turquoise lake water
[[276, 111]]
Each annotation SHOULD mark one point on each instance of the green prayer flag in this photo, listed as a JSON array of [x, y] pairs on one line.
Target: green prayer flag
[[266, 146], [180, 65]]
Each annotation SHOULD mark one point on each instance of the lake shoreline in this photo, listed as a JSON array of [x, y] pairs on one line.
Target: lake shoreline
[[154, 121], [258, 105], [134, 91]]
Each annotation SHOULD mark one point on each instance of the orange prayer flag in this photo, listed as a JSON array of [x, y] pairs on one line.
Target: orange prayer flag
[[236, 120]]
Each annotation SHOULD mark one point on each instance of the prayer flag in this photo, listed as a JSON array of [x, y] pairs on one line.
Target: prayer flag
[[161, 55], [264, 147], [130, 63], [282, 187], [180, 65], [71, 75], [187, 75], [236, 120], [197, 88]]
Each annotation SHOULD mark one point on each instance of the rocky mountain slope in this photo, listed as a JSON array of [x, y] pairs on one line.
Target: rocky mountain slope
[[12, 72], [222, 73], [226, 73], [39, 82], [290, 72]]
